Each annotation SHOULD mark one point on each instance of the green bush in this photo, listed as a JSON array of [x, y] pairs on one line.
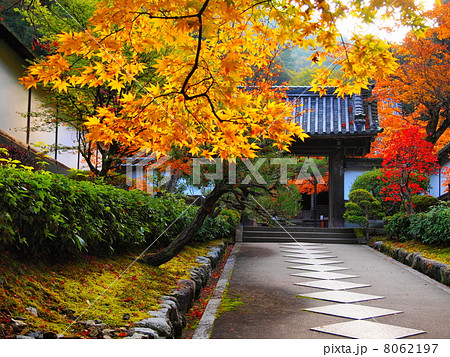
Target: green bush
[[398, 226], [221, 226], [114, 179], [45, 213], [12, 152], [437, 225], [418, 225], [422, 203], [432, 227], [371, 182]]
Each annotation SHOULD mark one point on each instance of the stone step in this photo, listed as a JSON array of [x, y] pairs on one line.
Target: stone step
[[299, 234], [300, 240], [288, 234], [296, 229]]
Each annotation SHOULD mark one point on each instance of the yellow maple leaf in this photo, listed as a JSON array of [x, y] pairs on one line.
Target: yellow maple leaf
[[29, 81], [116, 85], [60, 85]]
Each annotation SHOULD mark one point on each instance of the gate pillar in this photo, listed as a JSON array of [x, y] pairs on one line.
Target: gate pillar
[[336, 188]]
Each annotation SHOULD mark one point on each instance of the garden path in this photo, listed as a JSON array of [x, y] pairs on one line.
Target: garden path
[[316, 291]]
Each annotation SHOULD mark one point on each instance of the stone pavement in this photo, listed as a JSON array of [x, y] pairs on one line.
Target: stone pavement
[[329, 291]]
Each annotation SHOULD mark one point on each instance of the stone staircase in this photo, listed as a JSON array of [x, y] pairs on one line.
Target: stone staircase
[[298, 234]]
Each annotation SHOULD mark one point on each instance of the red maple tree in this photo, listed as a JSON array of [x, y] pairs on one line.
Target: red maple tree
[[408, 160]]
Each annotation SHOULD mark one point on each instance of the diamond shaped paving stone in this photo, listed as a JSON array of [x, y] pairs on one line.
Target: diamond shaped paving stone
[[353, 311], [313, 261], [341, 296], [332, 285], [309, 256], [325, 275], [367, 329], [317, 267]]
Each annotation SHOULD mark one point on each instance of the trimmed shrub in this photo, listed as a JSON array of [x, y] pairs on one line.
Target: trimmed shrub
[[432, 227], [362, 207], [371, 182], [422, 203], [45, 213]]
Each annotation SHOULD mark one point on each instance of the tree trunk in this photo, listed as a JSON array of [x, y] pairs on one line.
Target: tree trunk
[[190, 231], [172, 183]]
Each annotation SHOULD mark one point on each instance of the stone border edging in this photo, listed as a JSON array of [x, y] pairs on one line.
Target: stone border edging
[[168, 322], [435, 270], [205, 326]]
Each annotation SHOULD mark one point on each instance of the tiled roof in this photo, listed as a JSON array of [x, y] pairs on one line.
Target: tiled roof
[[330, 115], [15, 43]]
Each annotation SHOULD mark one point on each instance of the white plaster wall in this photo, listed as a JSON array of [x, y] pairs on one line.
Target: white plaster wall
[[14, 103], [350, 176], [13, 97], [437, 187]]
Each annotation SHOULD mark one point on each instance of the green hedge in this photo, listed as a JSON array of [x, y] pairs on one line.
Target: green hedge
[[432, 227], [45, 213]]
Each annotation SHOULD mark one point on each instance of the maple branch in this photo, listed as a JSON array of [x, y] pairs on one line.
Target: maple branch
[[177, 17], [199, 48], [193, 116]]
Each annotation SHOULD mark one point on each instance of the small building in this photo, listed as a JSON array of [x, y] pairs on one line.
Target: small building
[[17, 125], [341, 129], [438, 186]]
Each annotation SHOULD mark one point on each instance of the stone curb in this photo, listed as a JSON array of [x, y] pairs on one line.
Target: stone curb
[[168, 322], [206, 323], [435, 270]]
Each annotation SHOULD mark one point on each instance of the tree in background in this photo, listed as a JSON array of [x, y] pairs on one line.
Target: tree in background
[[212, 93], [314, 184], [361, 208], [408, 159], [418, 93], [296, 67]]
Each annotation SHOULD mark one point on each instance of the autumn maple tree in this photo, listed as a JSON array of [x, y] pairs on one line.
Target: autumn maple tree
[[208, 90], [418, 93], [316, 183], [408, 160]]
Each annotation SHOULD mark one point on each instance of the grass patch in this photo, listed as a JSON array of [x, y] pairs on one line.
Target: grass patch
[[228, 303], [429, 251], [61, 293]]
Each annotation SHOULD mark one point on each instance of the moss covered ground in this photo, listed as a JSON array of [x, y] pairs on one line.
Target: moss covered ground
[[116, 290], [429, 251]]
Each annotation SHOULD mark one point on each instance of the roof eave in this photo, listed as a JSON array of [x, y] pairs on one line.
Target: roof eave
[[15, 43]]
